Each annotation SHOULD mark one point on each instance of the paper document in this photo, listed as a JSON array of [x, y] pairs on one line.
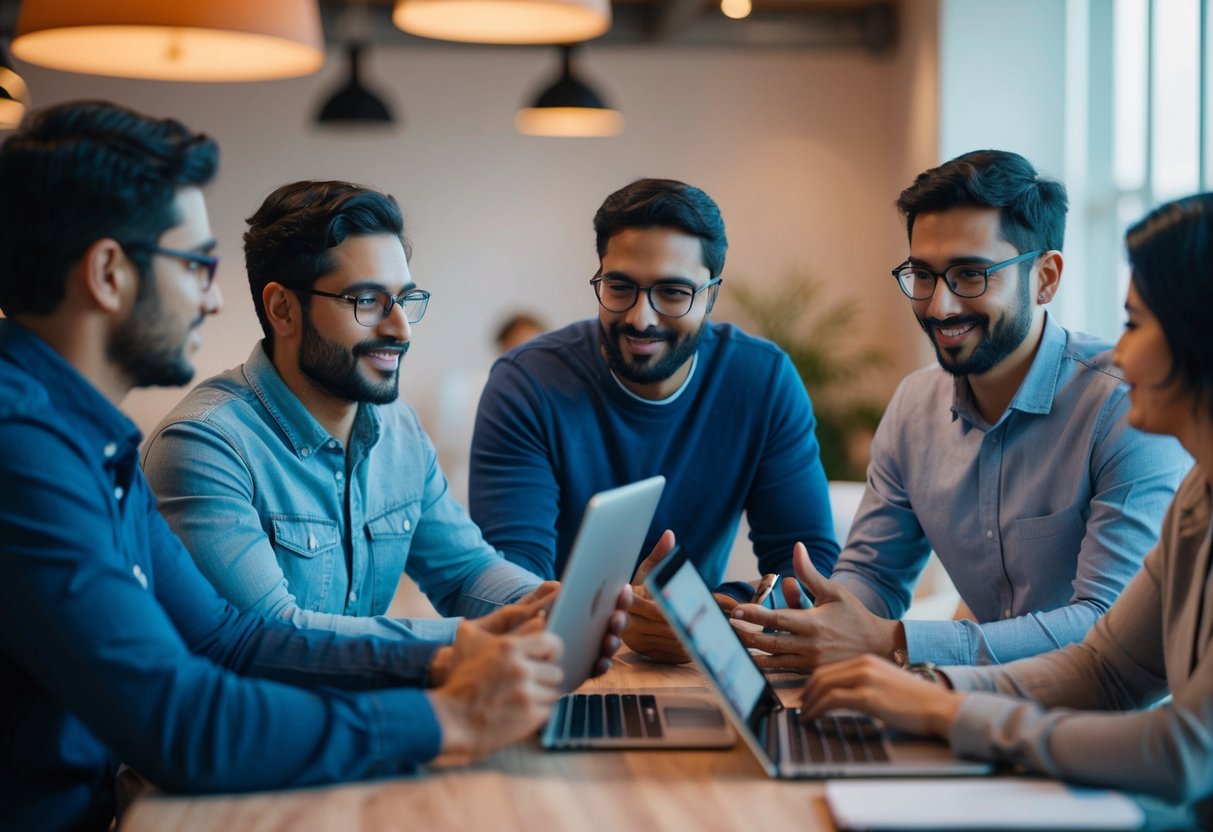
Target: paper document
[[986, 803]]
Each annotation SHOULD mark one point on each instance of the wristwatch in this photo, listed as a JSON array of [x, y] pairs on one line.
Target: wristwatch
[[925, 670]]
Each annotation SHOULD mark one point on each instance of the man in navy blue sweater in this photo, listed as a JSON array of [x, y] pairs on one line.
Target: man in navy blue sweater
[[113, 646], [651, 386]]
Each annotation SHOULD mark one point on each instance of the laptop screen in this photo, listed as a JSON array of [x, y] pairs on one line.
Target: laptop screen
[[716, 647]]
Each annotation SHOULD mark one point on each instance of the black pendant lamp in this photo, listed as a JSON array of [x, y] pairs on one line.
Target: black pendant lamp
[[354, 104], [569, 107]]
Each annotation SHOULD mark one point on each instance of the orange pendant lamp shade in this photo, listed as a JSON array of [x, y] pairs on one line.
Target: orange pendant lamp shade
[[504, 21], [173, 40]]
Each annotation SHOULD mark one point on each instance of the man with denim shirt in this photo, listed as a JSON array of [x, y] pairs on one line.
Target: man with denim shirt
[[1012, 459], [113, 647], [300, 485]]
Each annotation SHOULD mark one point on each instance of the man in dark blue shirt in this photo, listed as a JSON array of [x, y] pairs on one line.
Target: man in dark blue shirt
[[653, 386], [113, 647]]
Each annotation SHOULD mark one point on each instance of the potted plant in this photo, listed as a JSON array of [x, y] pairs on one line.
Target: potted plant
[[819, 336]]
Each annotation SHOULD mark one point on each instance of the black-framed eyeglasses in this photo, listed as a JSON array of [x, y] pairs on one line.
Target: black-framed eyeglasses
[[965, 280], [373, 305], [202, 266], [673, 300]]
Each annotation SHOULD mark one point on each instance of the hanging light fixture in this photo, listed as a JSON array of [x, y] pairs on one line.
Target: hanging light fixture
[[354, 104], [504, 21], [14, 94], [173, 40], [569, 107]]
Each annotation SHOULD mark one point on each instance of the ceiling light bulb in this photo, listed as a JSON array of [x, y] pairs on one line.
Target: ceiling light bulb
[[736, 9]]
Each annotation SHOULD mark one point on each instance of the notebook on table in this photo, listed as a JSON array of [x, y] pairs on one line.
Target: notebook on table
[[836, 745], [601, 562]]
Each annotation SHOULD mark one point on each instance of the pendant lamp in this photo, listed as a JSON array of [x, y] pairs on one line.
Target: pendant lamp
[[504, 21], [14, 94], [173, 40], [569, 107], [354, 104]]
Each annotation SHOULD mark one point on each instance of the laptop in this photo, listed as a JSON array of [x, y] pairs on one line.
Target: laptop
[[839, 744], [602, 560]]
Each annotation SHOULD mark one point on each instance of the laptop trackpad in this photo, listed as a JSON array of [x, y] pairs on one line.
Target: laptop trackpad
[[695, 716]]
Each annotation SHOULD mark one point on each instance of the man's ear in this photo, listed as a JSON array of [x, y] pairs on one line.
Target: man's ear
[[106, 274], [281, 309], [1048, 276]]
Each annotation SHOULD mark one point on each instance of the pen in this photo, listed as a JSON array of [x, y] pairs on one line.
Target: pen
[[765, 586]]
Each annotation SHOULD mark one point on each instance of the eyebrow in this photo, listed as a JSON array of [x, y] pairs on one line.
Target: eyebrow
[[369, 285], [965, 260], [673, 279]]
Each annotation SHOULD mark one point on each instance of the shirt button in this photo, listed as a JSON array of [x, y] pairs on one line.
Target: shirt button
[[408, 526], [306, 452], [353, 597], [311, 542], [332, 444], [109, 450], [339, 475], [118, 492], [989, 534]]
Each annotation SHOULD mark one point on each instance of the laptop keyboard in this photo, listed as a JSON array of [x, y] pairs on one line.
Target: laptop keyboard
[[835, 739], [595, 715]]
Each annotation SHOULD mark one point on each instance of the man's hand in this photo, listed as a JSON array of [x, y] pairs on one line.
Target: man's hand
[[838, 627], [500, 689], [512, 616], [617, 623], [647, 631], [877, 687]]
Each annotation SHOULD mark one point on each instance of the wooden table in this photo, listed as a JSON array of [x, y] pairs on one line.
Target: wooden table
[[526, 788]]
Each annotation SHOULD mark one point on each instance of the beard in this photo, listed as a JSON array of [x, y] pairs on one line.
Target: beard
[[147, 346], [334, 369], [647, 369], [1000, 340]]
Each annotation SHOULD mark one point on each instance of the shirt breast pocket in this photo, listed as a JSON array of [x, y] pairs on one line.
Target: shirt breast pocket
[[308, 550], [389, 535], [1047, 547]]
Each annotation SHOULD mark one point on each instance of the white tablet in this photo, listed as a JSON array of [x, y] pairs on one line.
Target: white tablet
[[603, 558]]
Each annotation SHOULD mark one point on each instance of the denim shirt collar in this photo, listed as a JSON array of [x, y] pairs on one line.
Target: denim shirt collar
[[1036, 391], [97, 423], [305, 434]]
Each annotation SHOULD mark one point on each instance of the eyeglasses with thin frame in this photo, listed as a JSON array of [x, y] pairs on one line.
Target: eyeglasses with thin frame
[[965, 280], [373, 305], [202, 266], [672, 300]]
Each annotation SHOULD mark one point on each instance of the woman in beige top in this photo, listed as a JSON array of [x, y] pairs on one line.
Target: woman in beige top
[[1084, 713]]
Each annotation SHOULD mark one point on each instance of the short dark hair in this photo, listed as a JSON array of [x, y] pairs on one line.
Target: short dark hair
[[290, 236], [81, 172], [665, 203], [1171, 260], [1031, 208]]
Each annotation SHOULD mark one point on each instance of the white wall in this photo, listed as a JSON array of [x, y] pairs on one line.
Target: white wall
[[804, 151]]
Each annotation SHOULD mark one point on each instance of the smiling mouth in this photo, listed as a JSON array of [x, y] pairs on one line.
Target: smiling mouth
[[385, 359], [954, 331]]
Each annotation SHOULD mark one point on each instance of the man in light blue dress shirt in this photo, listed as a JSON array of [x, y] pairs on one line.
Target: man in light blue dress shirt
[[302, 488], [1012, 459]]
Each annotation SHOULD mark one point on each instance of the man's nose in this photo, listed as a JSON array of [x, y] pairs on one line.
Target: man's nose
[[944, 302], [642, 315], [396, 324], [212, 299]]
